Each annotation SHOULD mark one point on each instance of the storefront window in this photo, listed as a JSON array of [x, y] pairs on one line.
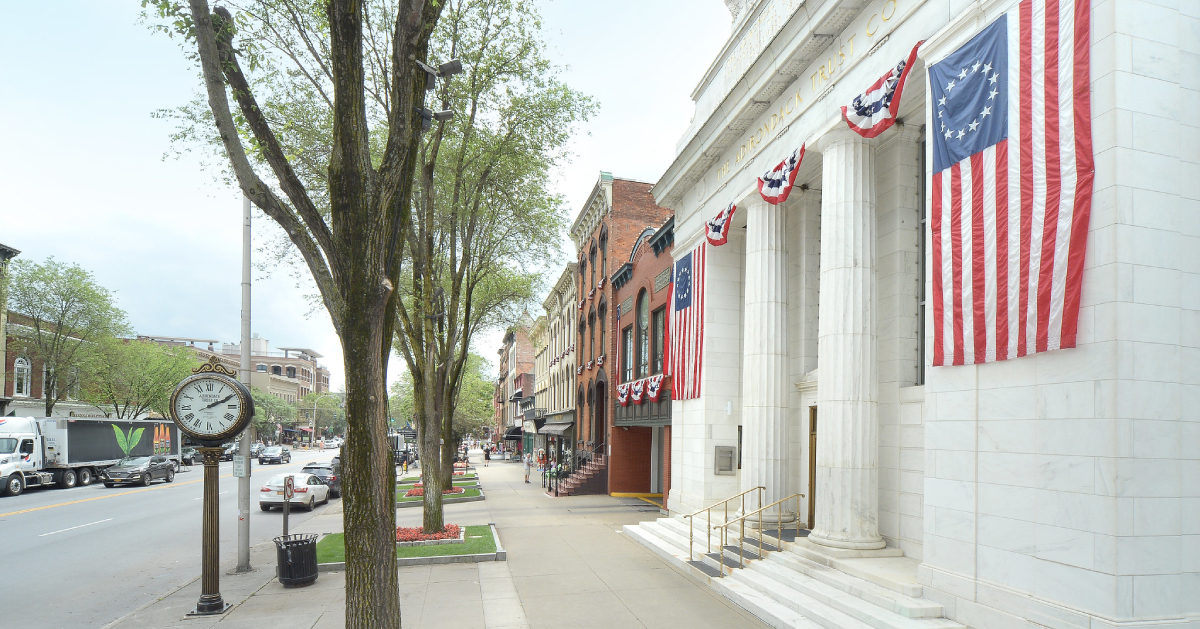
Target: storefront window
[[627, 354], [656, 334], [643, 335]]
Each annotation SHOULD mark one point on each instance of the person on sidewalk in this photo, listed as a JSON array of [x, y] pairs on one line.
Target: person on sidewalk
[[487, 457], [528, 463]]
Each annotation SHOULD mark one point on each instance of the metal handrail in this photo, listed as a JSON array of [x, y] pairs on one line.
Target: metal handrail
[[708, 518], [742, 538]]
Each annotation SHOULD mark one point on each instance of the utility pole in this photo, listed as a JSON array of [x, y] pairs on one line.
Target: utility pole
[[244, 377]]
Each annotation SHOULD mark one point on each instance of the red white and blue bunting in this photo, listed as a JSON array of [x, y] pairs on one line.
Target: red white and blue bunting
[[874, 111], [654, 388], [623, 394], [637, 391], [776, 184], [718, 228]]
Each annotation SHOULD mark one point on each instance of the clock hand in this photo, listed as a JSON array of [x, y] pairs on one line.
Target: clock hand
[[229, 397]]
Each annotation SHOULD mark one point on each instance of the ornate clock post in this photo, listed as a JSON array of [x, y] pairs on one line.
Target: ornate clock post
[[212, 407]]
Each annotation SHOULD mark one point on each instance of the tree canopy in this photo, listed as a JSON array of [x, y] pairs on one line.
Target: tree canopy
[[128, 378], [58, 315]]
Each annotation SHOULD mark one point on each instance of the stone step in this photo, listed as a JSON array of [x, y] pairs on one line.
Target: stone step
[[847, 561], [798, 602], [850, 605], [838, 581]]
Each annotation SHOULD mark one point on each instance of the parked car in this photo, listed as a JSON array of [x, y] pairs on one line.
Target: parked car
[[334, 443], [275, 454], [310, 490], [231, 449], [189, 455], [330, 472], [139, 469], [257, 448]]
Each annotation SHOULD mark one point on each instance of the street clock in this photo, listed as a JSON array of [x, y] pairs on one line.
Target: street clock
[[211, 406]]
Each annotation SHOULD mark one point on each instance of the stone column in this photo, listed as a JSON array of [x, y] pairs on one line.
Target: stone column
[[847, 502], [764, 364]]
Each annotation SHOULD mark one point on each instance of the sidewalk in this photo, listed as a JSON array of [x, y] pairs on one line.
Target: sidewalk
[[568, 565]]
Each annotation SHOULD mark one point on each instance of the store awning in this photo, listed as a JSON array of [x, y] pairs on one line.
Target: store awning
[[306, 429], [555, 429], [513, 433]]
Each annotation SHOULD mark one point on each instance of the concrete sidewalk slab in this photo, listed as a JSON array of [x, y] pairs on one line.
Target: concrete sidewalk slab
[[568, 564]]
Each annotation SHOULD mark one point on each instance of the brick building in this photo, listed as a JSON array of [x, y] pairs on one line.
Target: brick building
[[640, 437], [516, 379], [609, 226], [6, 253]]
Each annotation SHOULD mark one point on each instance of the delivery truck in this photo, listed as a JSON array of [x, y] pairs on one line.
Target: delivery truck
[[65, 451]]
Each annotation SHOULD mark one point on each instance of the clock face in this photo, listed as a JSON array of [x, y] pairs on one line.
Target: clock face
[[209, 407]]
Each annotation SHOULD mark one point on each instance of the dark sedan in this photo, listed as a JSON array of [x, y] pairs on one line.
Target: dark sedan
[[330, 472], [189, 455], [140, 470], [275, 454]]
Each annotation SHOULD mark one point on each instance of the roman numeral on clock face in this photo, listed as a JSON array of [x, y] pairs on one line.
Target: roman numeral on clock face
[[209, 385], [189, 417], [229, 416]]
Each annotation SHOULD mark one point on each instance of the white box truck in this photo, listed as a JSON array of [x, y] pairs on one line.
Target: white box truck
[[65, 452]]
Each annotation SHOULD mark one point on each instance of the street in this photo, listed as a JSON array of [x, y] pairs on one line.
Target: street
[[84, 557]]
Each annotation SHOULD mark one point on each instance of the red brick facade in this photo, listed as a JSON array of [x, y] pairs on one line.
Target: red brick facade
[[608, 228], [629, 464]]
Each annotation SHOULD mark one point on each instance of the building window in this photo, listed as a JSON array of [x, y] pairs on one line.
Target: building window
[[643, 335], [262, 368], [603, 312], [291, 372], [277, 370], [22, 378], [658, 323], [591, 337], [627, 354]]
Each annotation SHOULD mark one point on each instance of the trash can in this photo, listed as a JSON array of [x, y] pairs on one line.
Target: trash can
[[297, 559]]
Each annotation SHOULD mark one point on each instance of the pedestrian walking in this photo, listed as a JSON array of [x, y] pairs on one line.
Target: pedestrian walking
[[528, 463], [487, 457]]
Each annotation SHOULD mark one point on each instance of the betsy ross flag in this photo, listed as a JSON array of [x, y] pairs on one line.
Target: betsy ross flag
[[686, 324], [1012, 185]]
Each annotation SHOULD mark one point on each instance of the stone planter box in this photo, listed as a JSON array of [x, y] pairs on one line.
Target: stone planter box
[[462, 532]]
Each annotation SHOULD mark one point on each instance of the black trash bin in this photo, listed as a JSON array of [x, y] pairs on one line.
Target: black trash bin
[[297, 562]]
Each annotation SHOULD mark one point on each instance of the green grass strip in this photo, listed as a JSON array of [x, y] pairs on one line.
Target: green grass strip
[[467, 493], [332, 548]]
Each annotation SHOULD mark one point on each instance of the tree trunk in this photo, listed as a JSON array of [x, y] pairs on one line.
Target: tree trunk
[[433, 517], [369, 518]]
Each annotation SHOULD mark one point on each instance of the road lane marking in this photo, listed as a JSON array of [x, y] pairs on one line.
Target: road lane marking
[[220, 494], [75, 527], [123, 493]]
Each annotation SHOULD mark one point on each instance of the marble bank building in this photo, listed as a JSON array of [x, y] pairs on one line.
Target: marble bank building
[[1057, 489]]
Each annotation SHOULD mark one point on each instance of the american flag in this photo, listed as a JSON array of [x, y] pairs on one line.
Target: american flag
[[687, 324], [1009, 223], [874, 111]]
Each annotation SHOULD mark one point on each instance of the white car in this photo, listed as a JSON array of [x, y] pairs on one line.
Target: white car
[[310, 491]]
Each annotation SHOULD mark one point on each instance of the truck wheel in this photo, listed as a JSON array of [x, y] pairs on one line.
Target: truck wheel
[[67, 479], [170, 475], [14, 485], [85, 477]]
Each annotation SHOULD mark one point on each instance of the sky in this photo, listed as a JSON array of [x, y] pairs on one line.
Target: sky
[[83, 176]]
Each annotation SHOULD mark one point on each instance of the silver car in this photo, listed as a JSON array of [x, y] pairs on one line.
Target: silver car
[[310, 491]]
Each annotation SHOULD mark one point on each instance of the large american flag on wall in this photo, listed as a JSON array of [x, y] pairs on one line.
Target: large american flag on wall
[[684, 359], [1012, 185]]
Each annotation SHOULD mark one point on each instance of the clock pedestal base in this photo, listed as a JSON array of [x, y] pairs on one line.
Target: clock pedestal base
[[210, 587]]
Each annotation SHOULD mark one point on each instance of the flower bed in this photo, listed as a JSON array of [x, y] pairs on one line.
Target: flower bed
[[418, 534], [414, 493]]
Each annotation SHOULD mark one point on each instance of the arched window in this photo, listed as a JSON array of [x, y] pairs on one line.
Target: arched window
[[291, 372], [643, 335], [277, 370], [593, 261], [22, 378], [603, 312], [591, 336]]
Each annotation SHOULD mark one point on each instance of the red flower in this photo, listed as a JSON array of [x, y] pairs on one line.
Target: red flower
[[412, 493], [417, 534]]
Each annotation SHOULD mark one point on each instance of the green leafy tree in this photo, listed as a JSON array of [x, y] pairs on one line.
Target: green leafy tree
[[328, 408], [484, 219], [324, 140], [127, 379], [59, 315], [271, 411]]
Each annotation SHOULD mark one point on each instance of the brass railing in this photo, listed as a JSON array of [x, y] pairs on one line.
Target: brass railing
[[708, 527], [741, 533]]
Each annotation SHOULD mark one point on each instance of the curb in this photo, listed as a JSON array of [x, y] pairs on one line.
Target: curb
[[499, 555], [445, 501]]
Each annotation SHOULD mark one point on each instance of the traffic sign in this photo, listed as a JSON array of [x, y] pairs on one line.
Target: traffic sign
[[241, 468], [289, 487]]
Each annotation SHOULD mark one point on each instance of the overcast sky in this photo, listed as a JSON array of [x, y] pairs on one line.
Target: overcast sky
[[83, 179]]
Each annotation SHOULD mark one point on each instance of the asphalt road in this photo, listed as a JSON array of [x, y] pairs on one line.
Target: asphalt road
[[83, 557]]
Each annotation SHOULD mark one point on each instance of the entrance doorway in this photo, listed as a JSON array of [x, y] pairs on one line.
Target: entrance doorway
[[812, 466], [599, 427], [657, 450]]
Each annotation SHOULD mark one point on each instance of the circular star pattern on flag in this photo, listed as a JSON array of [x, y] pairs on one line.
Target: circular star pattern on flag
[[980, 70]]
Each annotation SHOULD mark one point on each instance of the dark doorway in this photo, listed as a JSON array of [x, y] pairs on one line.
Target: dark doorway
[[599, 419]]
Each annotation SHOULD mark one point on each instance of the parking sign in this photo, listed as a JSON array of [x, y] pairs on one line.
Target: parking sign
[[289, 487]]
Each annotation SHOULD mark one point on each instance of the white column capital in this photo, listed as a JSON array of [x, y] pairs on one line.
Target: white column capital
[[840, 135]]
